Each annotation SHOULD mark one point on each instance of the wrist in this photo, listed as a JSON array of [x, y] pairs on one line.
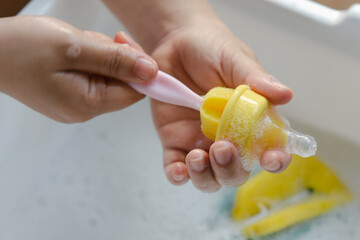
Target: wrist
[[150, 21], [184, 21], [195, 18]]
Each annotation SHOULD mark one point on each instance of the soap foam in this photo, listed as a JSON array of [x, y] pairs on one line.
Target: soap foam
[[236, 132], [341, 223], [249, 162]]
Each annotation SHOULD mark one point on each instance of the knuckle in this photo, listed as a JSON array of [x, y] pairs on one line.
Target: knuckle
[[90, 105], [73, 51], [116, 62], [70, 45], [93, 103]]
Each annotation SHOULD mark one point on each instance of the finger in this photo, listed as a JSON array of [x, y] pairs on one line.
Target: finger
[[199, 169], [111, 95], [275, 161], [244, 69], [176, 173], [168, 119], [175, 168], [122, 37], [226, 164], [110, 59], [267, 85], [98, 35]]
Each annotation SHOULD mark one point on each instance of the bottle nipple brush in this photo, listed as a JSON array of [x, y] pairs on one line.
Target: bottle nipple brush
[[247, 119], [239, 115]]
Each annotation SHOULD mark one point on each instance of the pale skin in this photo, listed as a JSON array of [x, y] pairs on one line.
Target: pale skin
[[72, 76], [68, 74], [188, 41]]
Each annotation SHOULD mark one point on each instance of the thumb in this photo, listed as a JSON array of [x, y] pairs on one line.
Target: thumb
[[119, 61], [246, 70]]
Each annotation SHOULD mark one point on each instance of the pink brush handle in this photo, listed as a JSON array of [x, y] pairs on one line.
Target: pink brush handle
[[166, 88]]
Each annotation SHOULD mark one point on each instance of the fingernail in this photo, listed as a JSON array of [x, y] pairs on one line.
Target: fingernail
[[274, 166], [145, 69], [178, 177], [223, 155], [198, 165]]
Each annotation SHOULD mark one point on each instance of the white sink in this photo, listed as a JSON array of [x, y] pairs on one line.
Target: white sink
[[104, 179]]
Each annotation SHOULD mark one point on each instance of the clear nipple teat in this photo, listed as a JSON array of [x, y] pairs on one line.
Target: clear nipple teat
[[274, 132], [300, 144]]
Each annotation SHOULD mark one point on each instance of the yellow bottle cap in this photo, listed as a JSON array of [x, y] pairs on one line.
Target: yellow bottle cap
[[232, 115]]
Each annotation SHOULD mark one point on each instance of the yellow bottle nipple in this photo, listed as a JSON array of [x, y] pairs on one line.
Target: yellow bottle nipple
[[247, 119]]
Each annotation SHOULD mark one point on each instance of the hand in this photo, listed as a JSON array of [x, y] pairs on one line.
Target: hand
[[203, 54], [68, 74]]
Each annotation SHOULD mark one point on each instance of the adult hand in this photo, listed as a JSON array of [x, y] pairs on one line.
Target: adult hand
[[68, 74], [203, 53], [190, 42]]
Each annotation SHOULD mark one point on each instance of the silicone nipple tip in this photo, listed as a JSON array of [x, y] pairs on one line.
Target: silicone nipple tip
[[309, 146], [301, 144]]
